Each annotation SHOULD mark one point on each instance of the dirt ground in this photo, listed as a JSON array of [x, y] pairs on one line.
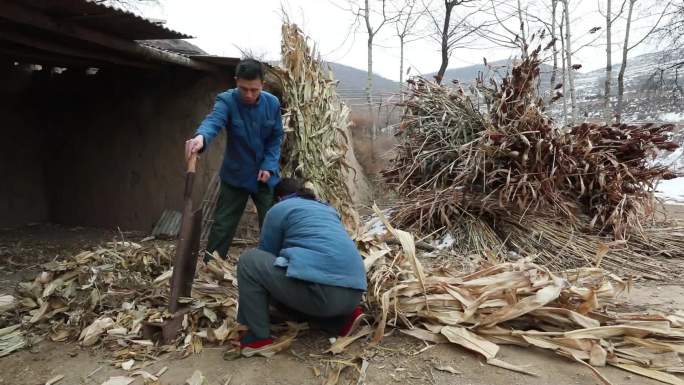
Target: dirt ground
[[398, 359]]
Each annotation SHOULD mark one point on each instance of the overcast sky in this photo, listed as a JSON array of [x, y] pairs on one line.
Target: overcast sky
[[224, 27]]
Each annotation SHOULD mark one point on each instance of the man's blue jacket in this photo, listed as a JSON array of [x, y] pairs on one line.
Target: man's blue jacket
[[254, 135]]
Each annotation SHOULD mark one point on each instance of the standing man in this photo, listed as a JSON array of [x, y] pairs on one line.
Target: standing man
[[254, 132]]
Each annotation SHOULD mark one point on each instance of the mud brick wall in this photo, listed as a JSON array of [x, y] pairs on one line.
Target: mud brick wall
[[23, 196], [103, 150]]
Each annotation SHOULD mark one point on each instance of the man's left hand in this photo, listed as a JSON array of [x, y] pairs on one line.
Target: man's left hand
[[263, 176]]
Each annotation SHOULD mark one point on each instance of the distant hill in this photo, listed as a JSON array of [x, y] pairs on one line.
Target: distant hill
[[648, 97], [496, 69], [354, 79]]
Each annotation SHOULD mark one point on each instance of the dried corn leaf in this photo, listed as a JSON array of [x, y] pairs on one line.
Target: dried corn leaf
[[60, 335], [11, 339], [7, 302], [619, 330], [540, 299], [165, 277], [655, 344], [425, 335], [448, 369], [54, 379], [341, 343], [564, 317], [471, 341], [650, 373], [147, 377], [407, 244], [90, 335], [197, 378], [595, 371], [222, 333], [334, 375], [597, 355], [548, 343], [506, 365], [127, 365], [119, 380]]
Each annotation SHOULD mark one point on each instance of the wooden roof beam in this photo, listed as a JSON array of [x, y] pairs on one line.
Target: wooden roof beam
[[25, 15], [24, 56], [65, 50]]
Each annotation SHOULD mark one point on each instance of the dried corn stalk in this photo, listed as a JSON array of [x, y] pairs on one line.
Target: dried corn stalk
[[316, 124], [521, 303]]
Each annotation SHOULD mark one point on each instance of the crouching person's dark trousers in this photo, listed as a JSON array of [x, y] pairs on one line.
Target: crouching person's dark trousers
[[261, 283]]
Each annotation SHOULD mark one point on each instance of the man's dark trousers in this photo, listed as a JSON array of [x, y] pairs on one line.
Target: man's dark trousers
[[261, 283], [229, 208]]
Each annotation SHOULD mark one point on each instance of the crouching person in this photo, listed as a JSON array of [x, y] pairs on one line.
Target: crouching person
[[305, 262]]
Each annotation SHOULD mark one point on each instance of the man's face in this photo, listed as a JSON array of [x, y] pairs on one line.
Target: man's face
[[249, 89]]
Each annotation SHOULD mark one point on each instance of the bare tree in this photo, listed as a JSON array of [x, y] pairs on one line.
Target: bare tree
[[499, 33], [522, 29], [625, 50], [407, 17], [670, 36], [671, 33], [363, 11], [453, 31], [569, 67], [372, 32], [607, 109], [564, 67], [554, 7], [609, 65]]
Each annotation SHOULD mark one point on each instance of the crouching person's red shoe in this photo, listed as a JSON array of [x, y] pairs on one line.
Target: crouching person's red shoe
[[353, 323], [264, 347]]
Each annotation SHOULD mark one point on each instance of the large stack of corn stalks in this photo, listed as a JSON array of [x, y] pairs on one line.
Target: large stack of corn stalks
[[522, 303], [316, 124], [507, 180]]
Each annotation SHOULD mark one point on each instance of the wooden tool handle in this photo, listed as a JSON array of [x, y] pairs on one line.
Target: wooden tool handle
[[192, 162]]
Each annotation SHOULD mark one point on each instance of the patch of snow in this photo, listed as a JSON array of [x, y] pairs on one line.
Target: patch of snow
[[674, 159], [446, 242], [671, 117], [374, 225], [672, 191]]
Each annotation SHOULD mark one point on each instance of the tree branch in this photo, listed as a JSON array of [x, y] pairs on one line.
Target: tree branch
[[652, 28]]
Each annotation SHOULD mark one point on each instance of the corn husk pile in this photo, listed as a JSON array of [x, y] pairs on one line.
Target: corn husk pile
[[104, 297], [507, 180], [522, 303], [316, 124]]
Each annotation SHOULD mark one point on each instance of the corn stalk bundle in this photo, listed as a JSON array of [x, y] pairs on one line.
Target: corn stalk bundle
[[316, 124], [510, 169], [571, 313]]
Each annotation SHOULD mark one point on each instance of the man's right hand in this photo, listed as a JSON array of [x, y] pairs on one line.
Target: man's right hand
[[193, 145]]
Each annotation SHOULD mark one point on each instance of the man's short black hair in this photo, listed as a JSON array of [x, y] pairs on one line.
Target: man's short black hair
[[249, 69], [289, 186]]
